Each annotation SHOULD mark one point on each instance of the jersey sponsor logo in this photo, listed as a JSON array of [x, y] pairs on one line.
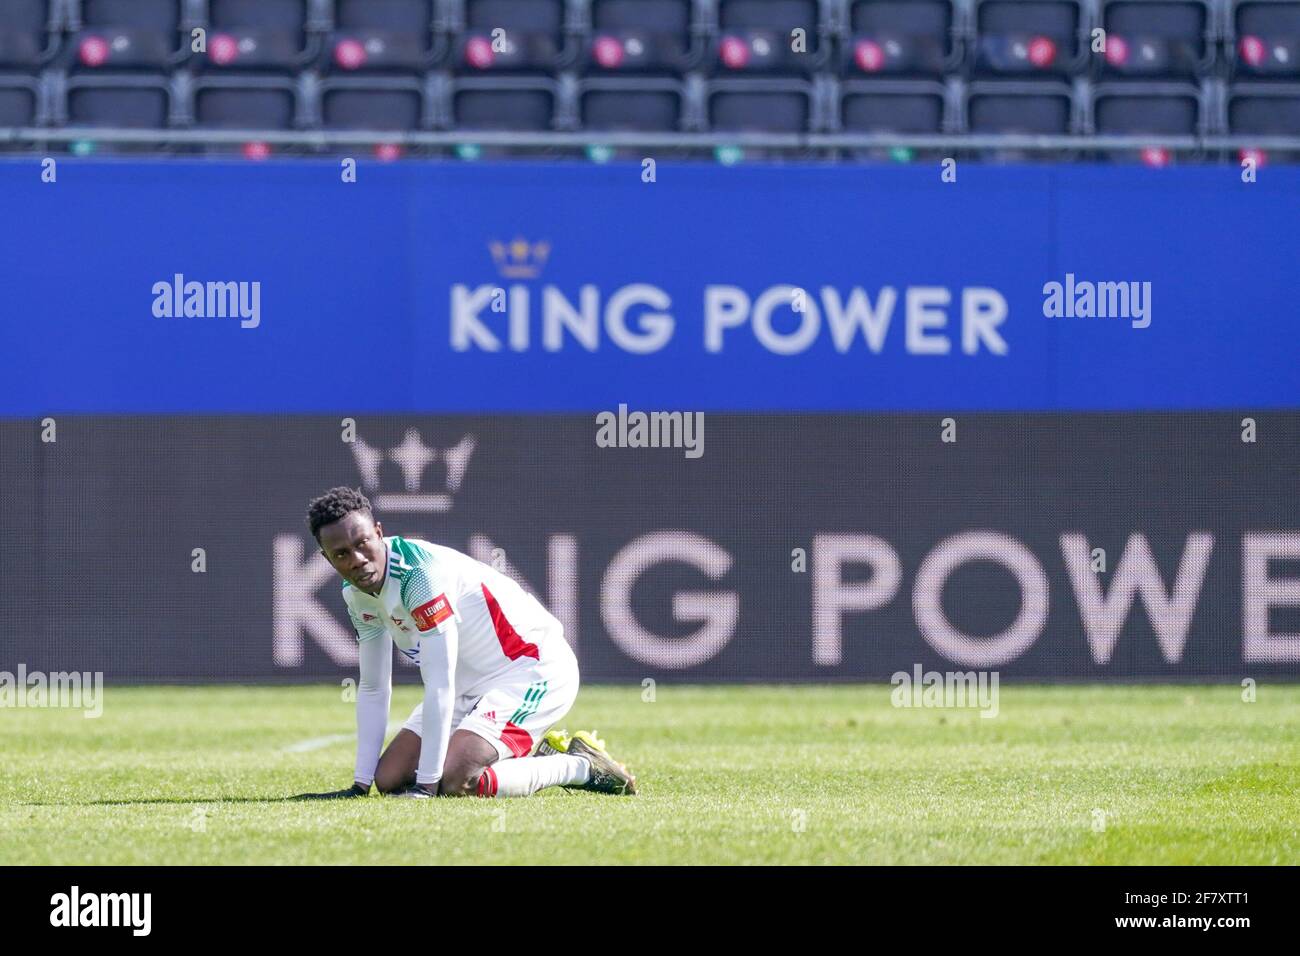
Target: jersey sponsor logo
[[367, 617], [432, 613]]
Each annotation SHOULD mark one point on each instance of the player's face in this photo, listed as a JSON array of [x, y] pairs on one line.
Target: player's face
[[355, 546]]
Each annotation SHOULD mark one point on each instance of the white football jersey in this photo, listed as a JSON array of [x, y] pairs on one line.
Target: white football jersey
[[501, 628]]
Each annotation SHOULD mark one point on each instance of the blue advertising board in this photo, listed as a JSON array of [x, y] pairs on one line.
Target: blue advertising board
[[210, 287]]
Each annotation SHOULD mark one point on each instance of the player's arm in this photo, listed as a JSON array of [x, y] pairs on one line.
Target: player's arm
[[430, 603], [374, 691], [437, 668]]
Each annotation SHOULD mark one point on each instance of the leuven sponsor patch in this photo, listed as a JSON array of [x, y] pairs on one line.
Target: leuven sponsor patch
[[430, 615]]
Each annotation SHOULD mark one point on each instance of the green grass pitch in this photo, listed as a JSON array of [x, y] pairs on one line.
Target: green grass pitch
[[1090, 774]]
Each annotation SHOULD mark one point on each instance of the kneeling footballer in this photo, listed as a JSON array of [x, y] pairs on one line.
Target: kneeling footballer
[[498, 673]]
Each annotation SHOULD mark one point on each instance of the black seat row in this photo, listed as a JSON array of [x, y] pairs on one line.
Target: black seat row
[[444, 102], [848, 38]]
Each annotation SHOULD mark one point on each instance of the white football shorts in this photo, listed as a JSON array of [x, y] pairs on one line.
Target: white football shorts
[[514, 712]]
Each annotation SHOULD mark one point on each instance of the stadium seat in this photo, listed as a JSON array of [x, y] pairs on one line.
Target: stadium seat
[[901, 67], [1019, 107], [891, 106], [378, 36], [243, 102], [1158, 38], [264, 35], [20, 101], [642, 36], [758, 36], [643, 104], [1264, 36], [1155, 109], [133, 101], [29, 33], [510, 36], [503, 103], [373, 103], [1169, 109], [1045, 108], [1030, 37], [763, 105], [900, 38], [1264, 109], [114, 35]]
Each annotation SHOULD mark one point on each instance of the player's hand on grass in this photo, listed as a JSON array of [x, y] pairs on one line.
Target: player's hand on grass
[[356, 790], [417, 791]]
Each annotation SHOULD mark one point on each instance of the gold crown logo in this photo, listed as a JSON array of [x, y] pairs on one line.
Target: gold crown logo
[[519, 259]]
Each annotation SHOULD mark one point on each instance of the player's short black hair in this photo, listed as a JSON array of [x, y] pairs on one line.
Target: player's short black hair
[[334, 505]]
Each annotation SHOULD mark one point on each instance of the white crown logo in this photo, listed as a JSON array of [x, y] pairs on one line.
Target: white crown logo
[[413, 457]]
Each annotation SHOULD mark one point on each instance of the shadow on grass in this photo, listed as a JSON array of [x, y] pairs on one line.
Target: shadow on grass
[[174, 800]]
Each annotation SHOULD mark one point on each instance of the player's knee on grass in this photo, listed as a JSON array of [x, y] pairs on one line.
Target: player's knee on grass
[[392, 781], [461, 779], [397, 766], [461, 785], [468, 756]]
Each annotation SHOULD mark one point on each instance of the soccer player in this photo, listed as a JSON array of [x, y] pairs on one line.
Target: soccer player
[[497, 671]]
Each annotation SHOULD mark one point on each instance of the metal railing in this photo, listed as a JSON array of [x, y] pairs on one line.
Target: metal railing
[[323, 139]]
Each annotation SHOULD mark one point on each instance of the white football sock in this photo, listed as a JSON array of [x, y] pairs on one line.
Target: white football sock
[[523, 776]]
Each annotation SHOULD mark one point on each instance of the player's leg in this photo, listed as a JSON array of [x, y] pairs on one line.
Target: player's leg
[[469, 770], [487, 755], [495, 731], [607, 774], [465, 772], [397, 765], [488, 752], [476, 766], [514, 718]]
